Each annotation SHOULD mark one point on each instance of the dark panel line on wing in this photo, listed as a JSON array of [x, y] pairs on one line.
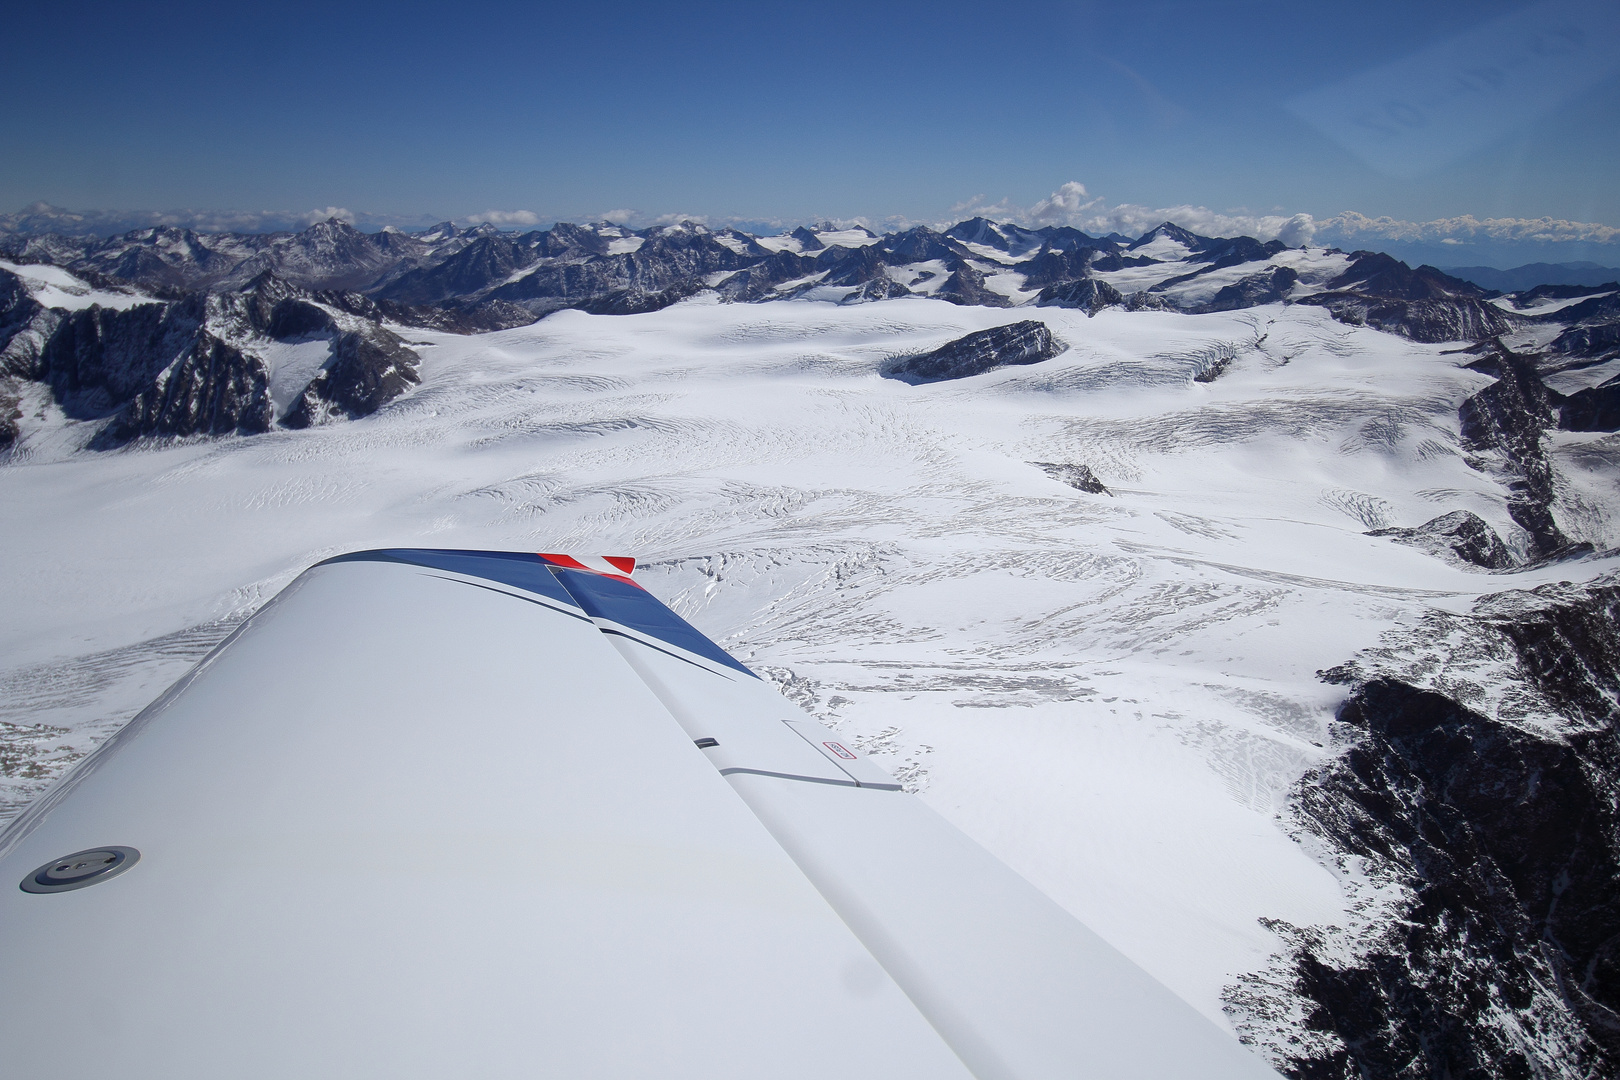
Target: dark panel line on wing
[[514, 596], [517, 570], [791, 776], [620, 601], [666, 652]]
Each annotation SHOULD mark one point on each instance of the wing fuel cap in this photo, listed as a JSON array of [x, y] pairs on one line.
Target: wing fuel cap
[[80, 869]]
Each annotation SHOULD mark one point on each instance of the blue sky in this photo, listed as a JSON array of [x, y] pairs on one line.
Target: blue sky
[[775, 112]]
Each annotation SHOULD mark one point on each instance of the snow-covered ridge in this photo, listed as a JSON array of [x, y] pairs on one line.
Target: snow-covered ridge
[[481, 278]]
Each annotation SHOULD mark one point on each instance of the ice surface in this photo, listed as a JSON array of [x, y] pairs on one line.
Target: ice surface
[[52, 286], [1113, 694], [1546, 305], [292, 365]]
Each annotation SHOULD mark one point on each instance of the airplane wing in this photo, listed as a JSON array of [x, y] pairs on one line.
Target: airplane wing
[[436, 814]]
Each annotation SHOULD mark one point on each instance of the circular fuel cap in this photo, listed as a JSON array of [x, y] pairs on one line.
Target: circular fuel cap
[[80, 869]]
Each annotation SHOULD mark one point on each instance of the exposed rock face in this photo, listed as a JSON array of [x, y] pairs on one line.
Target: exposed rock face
[[878, 288], [965, 285], [1088, 294], [1508, 417], [25, 326], [1423, 304], [1461, 534], [1433, 321], [920, 244], [1270, 287], [758, 281], [1168, 231], [1373, 273], [635, 301], [196, 366], [212, 389], [854, 266], [1478, 803], [10, 413], [1146, 301], [1597, 342], [1027, 342], [1594, 328], [98, 358], [1596, 408], [366, 372], [1079, 477], [1055, 268], [808, 241]]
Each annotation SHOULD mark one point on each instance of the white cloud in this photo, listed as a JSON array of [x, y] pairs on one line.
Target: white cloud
[[621, 217], [330, 212], [1298, 230], [1062, 206], [1350, 227], [1073, 205], [505, 217], [977, 207]]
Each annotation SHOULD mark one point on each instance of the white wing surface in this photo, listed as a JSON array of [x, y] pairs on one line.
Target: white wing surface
[[480, 814]]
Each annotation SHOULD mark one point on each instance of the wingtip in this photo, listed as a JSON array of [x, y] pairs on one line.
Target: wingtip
[[620, 566]]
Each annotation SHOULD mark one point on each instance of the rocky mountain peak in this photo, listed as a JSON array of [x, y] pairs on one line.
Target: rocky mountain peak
[[1169, 230]]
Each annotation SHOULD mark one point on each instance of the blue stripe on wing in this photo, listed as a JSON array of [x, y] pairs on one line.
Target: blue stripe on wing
[[517, 569], [631, 606]]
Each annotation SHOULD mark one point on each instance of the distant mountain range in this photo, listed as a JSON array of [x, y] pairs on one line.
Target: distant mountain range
[[169, 331], [1533, 274]]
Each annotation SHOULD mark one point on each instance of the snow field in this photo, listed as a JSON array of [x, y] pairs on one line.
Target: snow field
[[1112, 692]]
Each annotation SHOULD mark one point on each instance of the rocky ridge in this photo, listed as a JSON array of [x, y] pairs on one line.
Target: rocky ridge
[[205, 364], [1027, 342], [1472, 812]]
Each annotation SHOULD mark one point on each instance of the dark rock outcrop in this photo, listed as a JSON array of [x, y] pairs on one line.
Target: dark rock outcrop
[[1027, 342], [18, 308], [1461, 534], [25, 326], [1509, 417], [920, 244], [1090, 295], [1597, 408], [213, 389], [1429, 321], [635, 301], [1422, 304], [878, 288], [366, 371], [1492, 832], [1593, 329], [965, 285], [194, 366], [1373, 273], [1170, 231], [1270, 287], [10, 413], [99, 359], [808, 241], [758, 281], [1055, 267], [1599, 342], [1079, 477]]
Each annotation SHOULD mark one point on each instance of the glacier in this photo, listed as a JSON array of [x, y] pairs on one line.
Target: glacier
[[1118, 692]]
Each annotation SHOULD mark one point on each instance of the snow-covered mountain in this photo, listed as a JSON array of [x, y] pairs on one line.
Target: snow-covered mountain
[[481, 279], [1258, 603]]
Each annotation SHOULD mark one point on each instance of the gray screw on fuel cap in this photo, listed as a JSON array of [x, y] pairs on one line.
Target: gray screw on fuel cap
[[80, 869]]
